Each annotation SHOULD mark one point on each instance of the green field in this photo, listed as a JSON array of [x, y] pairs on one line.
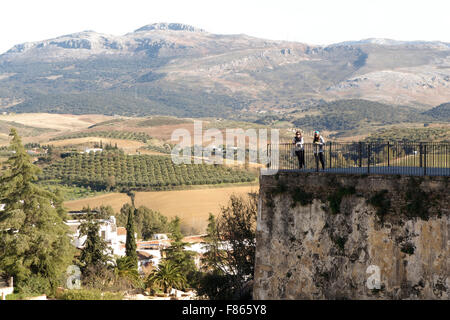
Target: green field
[[117, 171], [124, 135]]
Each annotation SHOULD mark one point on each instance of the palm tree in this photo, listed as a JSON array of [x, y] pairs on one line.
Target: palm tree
[[126, 269], [167, 276]]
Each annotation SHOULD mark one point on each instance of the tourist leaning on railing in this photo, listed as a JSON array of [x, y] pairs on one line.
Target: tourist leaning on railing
[[299, 149], [319, 143]]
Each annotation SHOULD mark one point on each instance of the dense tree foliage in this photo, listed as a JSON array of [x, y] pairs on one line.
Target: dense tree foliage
[[96, 255], [130, 244], [177, 254], [147, 222], [229, 264], [34, 242]]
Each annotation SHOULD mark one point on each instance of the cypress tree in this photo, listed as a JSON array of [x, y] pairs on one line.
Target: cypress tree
[[130, 245], [34, 241]]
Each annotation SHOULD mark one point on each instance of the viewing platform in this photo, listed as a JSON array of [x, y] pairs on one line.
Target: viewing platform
[[394, 158]]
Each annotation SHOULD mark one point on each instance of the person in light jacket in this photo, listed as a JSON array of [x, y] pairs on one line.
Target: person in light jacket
[[299, 149], [319, 143]]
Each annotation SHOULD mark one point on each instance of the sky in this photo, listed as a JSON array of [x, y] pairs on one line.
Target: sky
[[314, 21]]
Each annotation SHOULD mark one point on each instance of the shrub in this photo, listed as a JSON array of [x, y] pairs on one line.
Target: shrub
[[89, 294], [34, 285]]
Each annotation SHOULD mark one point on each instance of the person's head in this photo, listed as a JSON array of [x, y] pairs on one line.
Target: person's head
[[316, 133], [298, 134]]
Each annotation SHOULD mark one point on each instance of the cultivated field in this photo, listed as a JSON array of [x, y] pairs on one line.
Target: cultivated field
[[47, 126], [115, 200], [192, 206], [128, 146], [60, 122]]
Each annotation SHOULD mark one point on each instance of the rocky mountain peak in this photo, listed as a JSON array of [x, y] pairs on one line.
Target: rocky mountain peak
[[169, 26]]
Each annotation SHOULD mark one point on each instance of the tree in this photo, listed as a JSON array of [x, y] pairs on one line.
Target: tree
[[130, 244], [95, 255], [110, 182], [122, 217], [146, 222], [212, 257], [149, 222], [34, 241], [231, 242], [126, 269], [168, 275], [177, 254], [104, 212]]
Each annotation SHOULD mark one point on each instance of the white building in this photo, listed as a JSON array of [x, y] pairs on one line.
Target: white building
[[114, 236], [89, 150]]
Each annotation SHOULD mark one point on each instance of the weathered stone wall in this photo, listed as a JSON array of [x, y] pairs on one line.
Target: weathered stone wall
[[317, 235]]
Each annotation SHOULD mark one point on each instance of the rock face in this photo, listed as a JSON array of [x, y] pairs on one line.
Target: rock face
[[322, 236]]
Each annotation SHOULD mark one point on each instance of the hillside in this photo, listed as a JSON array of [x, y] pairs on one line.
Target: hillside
[[428, 134], [356, 113], [175, 69], [441, 112]]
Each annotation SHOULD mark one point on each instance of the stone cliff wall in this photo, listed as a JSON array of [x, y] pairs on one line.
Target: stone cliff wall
[[323, 236]]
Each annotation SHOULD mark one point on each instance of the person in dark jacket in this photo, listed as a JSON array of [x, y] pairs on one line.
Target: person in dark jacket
[[299, 149], [319, 143]]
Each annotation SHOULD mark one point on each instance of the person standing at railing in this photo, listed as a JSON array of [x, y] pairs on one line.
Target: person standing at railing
[[319, 143], [299, 149]]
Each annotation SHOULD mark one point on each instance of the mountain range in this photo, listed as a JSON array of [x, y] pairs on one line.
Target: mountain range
[[181, 70]]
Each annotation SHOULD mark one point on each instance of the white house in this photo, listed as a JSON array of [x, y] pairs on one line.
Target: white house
[[115, 237], [89, 150]]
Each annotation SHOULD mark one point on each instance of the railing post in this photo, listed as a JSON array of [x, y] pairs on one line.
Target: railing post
[[360, 154], [420, 154], [425, 160], [368, 157], [329, 165], [388, 154]]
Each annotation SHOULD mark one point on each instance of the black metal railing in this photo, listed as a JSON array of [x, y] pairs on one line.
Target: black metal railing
[[415, 158]]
